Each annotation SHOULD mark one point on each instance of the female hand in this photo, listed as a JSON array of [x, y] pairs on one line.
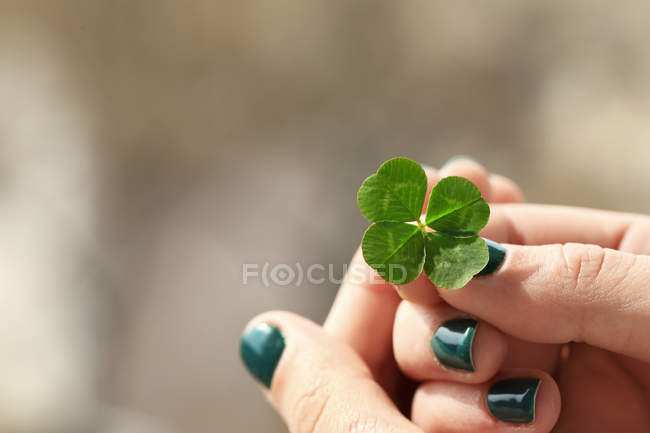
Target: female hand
[[589, 288], [344, 378]]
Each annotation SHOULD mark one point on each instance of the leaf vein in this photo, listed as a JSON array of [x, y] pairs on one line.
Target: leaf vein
[[399, 199], [399, 247], [454, 210]]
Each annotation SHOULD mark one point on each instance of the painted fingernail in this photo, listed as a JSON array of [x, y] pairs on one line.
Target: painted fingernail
[[513, 400], [497, 255], [459, 158], [452, 343], [261, 348]]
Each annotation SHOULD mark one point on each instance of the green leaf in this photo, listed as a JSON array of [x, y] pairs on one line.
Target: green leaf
[[396, 193], [451, 262], [395, 250], [399, 252], [457, 208]]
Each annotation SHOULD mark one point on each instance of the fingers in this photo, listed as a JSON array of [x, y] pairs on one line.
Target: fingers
[[316, 383], [321, 385], [521, 353], [362, 317], [505, 190], [365, 305], [562, 293], [491, 187], [519, 400], [535, 224], [443, 343], [615, 385]]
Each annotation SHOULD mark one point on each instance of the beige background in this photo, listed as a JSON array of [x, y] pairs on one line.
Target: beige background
[[150, 148]]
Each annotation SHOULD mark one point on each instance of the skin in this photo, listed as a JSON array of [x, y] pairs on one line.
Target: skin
[[589, 291], [576, 316]]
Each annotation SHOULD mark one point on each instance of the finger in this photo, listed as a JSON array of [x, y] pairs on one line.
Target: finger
[[362, 317], [519, 400], [424, 294], [536, 224], [505, 190], [441, 342], [489, 185], [614, 383], [362, 314], [562, 293], [521, 353], [317, 383]]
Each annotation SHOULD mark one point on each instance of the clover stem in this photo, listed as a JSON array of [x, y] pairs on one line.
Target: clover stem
[[422, 227]]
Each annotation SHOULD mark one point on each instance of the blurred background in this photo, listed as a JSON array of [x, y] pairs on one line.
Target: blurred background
[[149, 149]]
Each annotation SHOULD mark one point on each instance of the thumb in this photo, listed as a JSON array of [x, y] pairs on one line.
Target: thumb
[[562, 293], [316, 383]]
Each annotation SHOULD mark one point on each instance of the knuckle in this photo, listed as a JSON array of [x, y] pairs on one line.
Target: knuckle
[[595, 278], [357, 424], [310, 409], [577, 271], [584, 267], [316, 411]]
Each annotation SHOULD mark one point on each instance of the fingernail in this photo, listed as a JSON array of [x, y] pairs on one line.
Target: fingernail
[[459, 158], [497, 255], [513, 400], [261, 348], [452, 343]]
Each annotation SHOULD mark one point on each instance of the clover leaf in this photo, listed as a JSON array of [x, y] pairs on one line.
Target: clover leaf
[[396, 193], [452, 262], [396, 248], [399, 245], [457, 208]]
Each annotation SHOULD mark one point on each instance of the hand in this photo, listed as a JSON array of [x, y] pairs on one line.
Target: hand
[[345, 378], [590, 288]]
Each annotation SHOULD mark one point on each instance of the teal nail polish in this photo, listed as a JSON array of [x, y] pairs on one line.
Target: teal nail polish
[[452, 343], [513, 400], [261, 348], [497, 255], [459, 158]]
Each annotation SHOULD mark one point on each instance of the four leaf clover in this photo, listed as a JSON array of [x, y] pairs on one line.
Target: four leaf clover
[[400, 244]]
